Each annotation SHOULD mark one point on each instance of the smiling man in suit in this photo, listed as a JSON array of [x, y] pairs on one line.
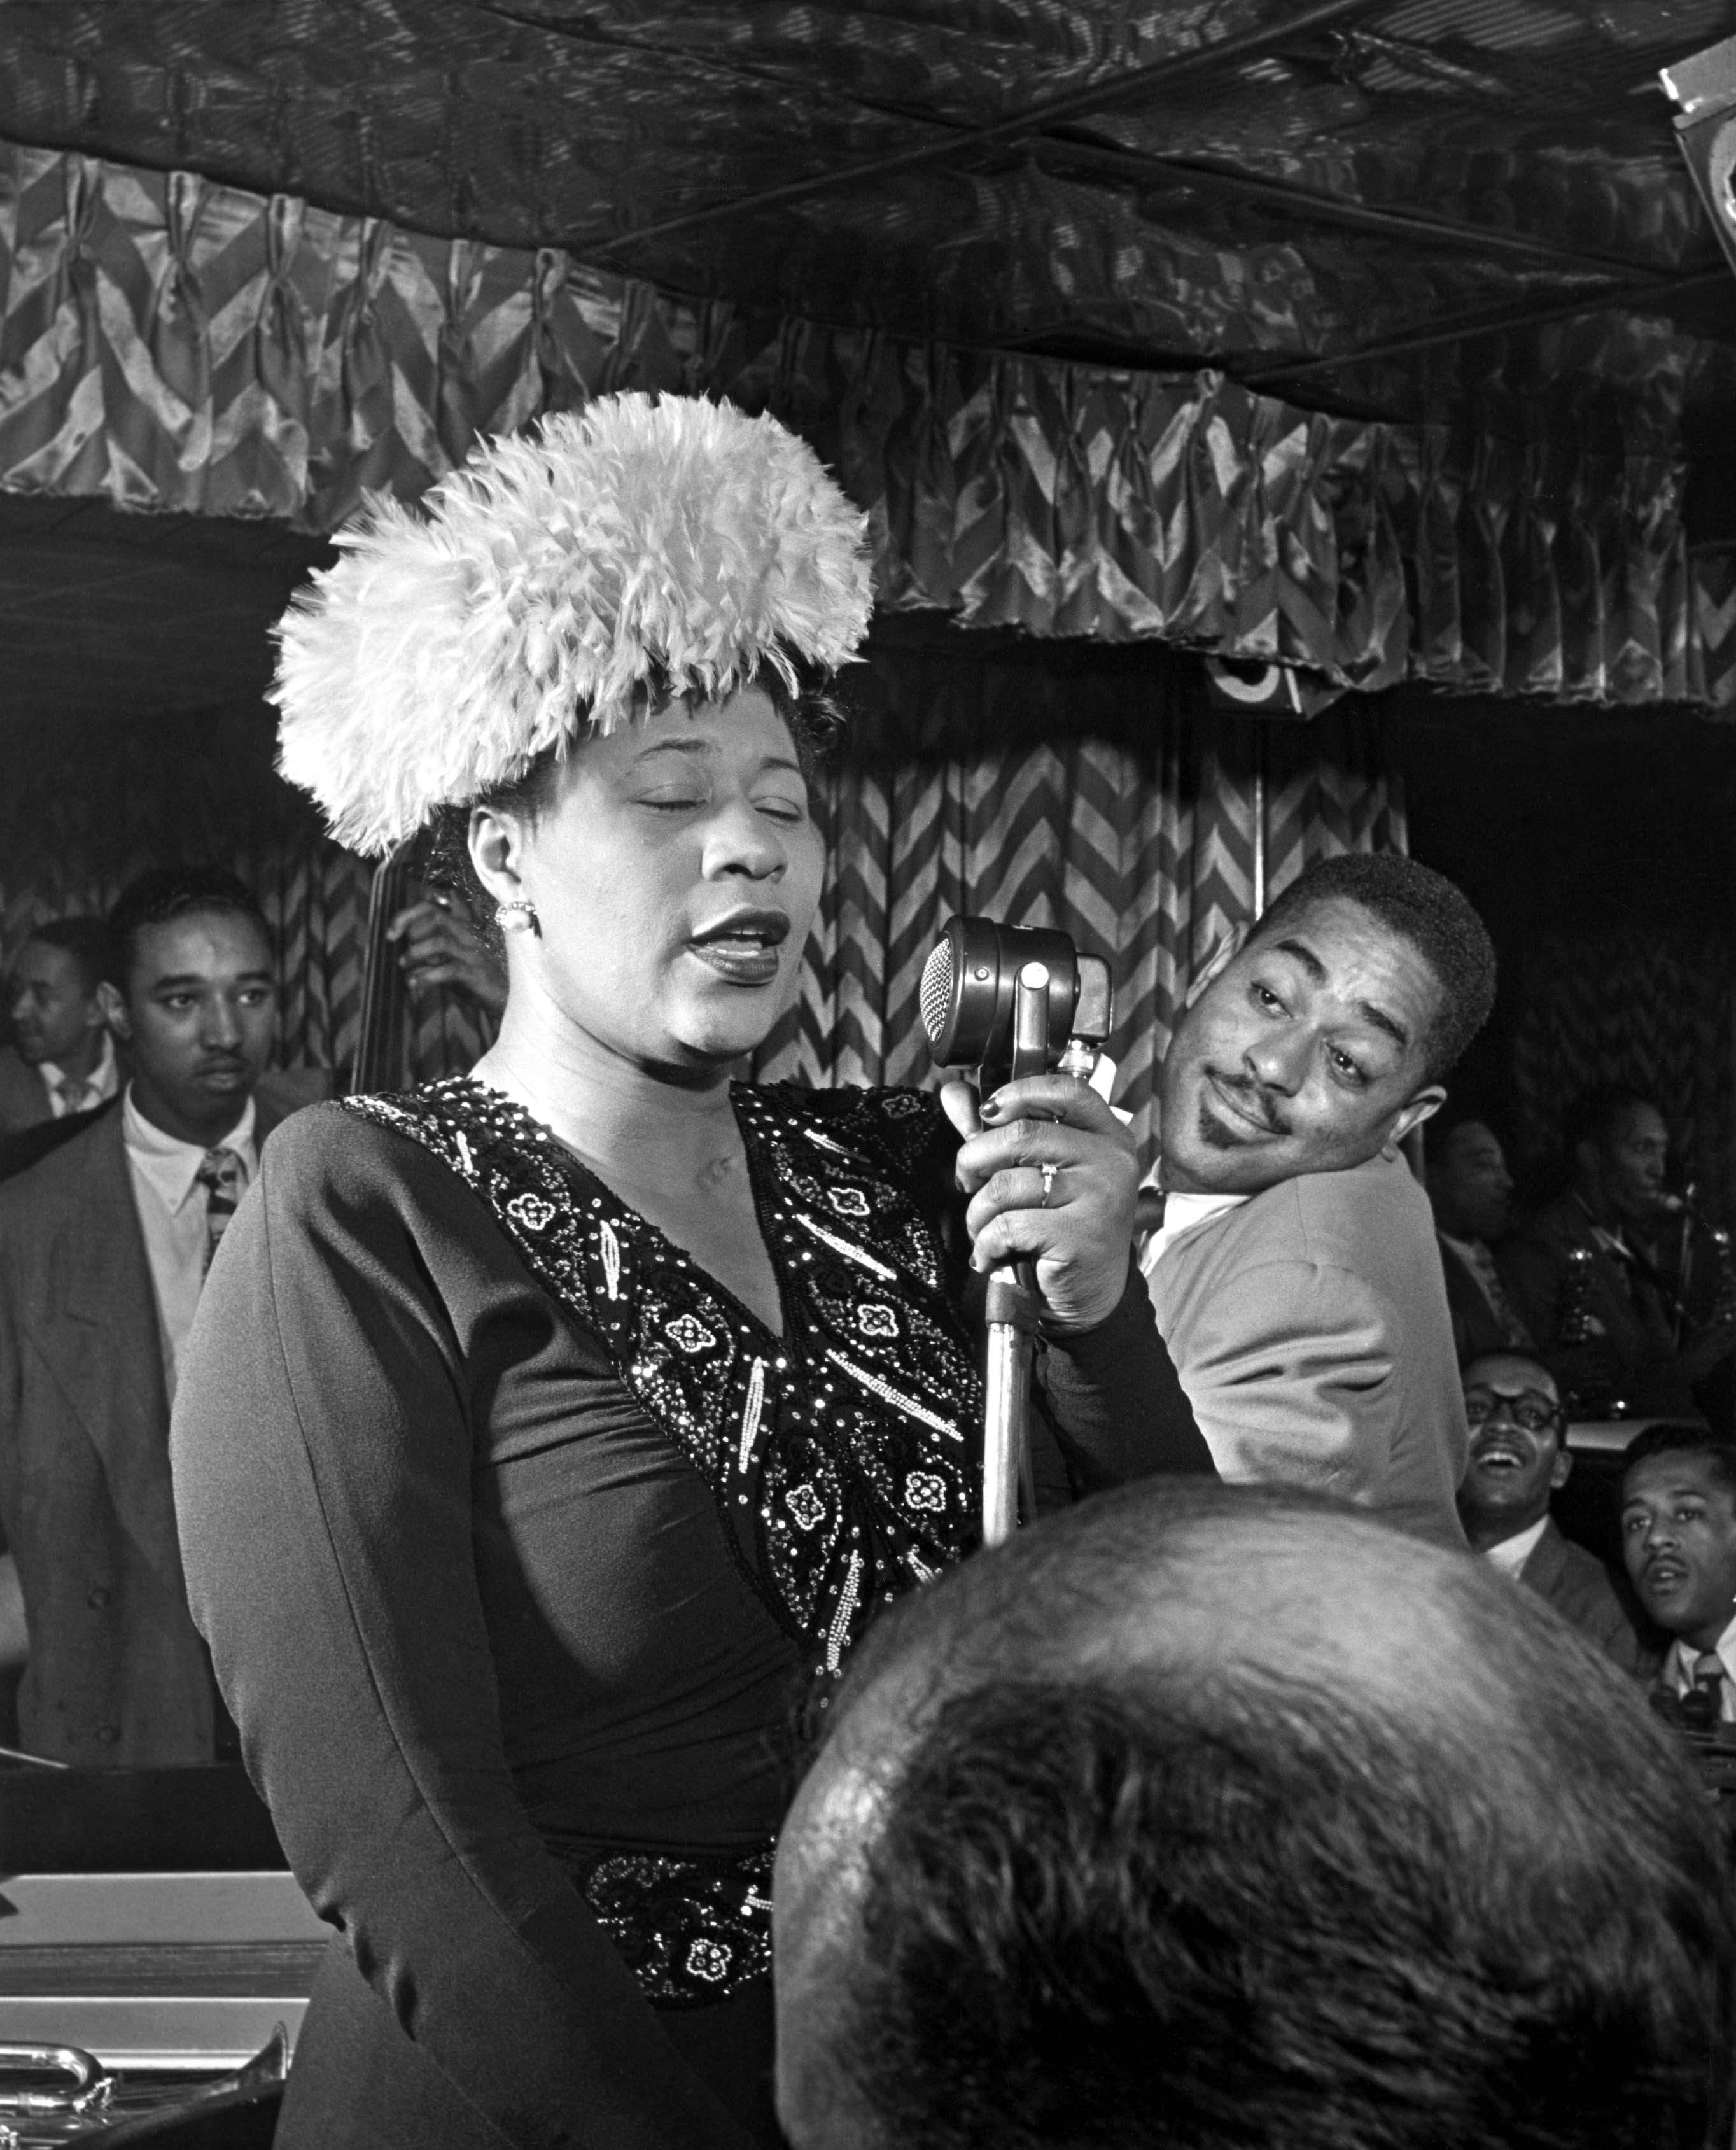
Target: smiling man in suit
[[1295, 1273], [103, 1248]]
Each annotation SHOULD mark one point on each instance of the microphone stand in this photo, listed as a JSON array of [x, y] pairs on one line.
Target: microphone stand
[[1013, 1306]]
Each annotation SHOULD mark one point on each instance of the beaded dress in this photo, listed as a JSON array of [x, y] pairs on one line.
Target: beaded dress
[[519, 1541]]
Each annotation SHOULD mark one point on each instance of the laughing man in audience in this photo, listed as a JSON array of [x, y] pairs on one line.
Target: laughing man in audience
[[1518, 1458]]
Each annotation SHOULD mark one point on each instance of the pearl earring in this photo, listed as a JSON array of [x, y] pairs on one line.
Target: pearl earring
[[519, 916]]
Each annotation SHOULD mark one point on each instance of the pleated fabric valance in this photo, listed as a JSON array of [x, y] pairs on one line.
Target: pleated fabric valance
[[169, 343]]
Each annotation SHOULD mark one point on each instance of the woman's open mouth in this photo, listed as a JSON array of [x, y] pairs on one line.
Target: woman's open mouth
[[743, 947]]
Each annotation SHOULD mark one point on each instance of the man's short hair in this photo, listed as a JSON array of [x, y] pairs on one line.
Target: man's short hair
[[1439, 1129], [167, 892], [1103, 1904], [1424, 908], [1598, 1115], [89, 943], [1685, 1439]]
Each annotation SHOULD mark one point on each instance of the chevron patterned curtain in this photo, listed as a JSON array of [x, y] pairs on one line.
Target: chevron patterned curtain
[[1144, 852], [169, 342], [1139, 839]]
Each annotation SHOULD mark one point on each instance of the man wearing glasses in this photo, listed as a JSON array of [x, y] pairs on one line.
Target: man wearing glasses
[[1517, 1461]]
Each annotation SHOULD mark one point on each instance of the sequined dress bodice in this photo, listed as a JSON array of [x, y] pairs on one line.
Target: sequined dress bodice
[[840, 1454]]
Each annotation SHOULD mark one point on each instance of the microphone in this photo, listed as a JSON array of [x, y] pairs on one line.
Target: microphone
[[1018, 1000], [970, 993]]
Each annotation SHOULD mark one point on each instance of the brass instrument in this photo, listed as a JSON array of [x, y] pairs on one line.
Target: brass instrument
[[1573, 1324], [54, 2094], [1695, 1226]]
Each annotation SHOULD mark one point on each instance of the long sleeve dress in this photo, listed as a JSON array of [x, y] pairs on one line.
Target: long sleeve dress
[[517, 1541]]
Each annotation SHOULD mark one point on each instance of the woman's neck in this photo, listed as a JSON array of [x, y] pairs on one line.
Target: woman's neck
[[637, 1126]]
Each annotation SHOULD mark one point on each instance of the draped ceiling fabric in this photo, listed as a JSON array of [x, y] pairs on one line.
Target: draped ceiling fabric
[[169, 343]]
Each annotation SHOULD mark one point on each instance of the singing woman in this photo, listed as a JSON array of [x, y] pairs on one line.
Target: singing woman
[[549, 1432]]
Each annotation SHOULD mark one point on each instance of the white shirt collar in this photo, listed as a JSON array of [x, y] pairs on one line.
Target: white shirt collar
[[171, 1166], [1678, 1662], [105, 1077], [1181, 1212], [1471, 1252], [1511, 1554]]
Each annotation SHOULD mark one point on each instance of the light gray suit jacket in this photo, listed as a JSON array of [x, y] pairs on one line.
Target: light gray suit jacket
[[117, 1674], [1309, 1328]]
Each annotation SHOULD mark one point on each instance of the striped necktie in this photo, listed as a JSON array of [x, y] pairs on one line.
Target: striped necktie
[[1703, 1706], [223, 1177]]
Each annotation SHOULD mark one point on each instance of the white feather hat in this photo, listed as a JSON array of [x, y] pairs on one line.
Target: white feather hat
[[676, 542]]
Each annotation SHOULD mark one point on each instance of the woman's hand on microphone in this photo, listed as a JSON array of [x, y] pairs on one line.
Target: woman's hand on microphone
[[1080, 1235]]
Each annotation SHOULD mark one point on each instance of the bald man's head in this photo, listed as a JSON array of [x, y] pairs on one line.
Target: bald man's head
[[1212, 1816]]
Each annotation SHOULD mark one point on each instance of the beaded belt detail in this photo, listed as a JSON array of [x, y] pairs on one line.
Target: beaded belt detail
[[692, 1930]]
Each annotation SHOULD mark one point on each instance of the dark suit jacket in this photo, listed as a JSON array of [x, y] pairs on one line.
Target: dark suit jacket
[[1578, 1587], [23, 1101], [117, 1672], [1634, 1357], [1475, 1327]]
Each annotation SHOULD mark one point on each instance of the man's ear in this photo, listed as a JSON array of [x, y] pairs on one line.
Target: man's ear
[[1422, 1106], [1220, 960], [114, 1010], [1563, 1469]]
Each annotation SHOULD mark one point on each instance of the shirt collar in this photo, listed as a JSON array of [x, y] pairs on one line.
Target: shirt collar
[[104, 1076], [1511, 1554], [171, 1166], [1181, 1212], [1679, 1663]]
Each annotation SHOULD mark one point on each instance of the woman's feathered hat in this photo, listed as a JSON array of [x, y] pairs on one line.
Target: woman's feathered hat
[[540, 590]]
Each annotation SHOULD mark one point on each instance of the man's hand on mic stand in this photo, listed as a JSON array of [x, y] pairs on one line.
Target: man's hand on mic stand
[[1051, 1174]]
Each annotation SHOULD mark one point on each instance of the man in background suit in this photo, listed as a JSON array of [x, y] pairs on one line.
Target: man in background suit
[[62, 1059], [103, 1246], [1470, 1191], [1518, 1458], [1294, 1275]]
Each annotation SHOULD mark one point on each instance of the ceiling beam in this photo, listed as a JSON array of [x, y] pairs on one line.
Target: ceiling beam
[[1090, 159], [1462, 328], [1136, 86]]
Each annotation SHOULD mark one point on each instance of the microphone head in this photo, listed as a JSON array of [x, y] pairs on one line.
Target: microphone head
[[933, 995], [970, 985]]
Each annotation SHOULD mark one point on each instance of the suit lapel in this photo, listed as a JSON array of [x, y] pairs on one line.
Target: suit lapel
[[102, 1340], [1543, 1570]]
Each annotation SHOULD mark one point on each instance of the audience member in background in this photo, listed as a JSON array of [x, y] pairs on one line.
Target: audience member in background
[[1518, 1458], [62, 1061], [1295, 1274], [1604, 1323], [1678, 1538], [1470, 1191], [103, 1246], [1219, 1816], [438, 945]]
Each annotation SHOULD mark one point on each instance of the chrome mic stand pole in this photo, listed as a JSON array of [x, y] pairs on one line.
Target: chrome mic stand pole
[[1013, 1305]]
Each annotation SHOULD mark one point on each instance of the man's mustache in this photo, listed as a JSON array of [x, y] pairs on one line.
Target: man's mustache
[[1250, 1097]]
